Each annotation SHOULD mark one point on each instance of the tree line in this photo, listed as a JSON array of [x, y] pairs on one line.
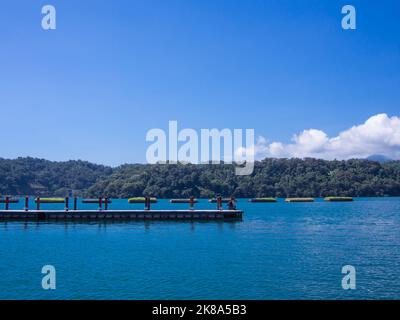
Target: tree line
[[271, 178]]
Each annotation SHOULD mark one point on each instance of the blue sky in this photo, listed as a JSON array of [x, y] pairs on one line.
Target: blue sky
[[115, 69]]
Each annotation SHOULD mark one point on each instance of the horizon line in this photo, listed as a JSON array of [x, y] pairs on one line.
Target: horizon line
[[369, 158]]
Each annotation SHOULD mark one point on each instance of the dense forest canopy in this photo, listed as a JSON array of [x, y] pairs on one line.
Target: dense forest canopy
[[29, 176], [271, 177]]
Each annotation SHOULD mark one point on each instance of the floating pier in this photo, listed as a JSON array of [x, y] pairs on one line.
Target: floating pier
[[51, 215], [50, 200], [338, 199], [8, 200], [299, 200], [103, 213], [183, 201], [256, 200], [141, 200], [223, 200], [96, 201]]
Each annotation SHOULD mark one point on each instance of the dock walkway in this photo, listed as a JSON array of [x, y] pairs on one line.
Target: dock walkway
[[43, 215]]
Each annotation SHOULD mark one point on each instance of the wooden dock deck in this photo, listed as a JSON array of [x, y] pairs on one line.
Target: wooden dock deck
[[45, 215]]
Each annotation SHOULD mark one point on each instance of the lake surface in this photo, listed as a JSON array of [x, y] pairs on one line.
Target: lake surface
[[279, 251]]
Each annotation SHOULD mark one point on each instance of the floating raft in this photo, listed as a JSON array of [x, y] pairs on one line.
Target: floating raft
[[96, 201], [50, 200], [224, 200], [11, 200], [141, 200], [263, 200], [45, 215], [299, 199], [337, 199], [182, 201]]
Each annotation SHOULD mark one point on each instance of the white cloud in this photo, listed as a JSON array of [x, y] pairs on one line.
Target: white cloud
[[380, 134]]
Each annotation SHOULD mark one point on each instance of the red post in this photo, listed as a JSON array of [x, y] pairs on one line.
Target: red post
[[232, 204], [66, 203], [191, 201], [26, 203], [147, 203], [7, 202], [38, 203], [219, 203], [100, 203], [75, 203]]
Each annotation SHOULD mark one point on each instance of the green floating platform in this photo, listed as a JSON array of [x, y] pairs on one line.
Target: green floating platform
[[182, 201], [299, 200], [338, 199], [141, 200], [11, 200], [263, 200], [96, 201], [50, 200], [224, 200]]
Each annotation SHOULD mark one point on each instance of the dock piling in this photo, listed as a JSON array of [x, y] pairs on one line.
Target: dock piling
[[147, 203], [106, 203], [38, 203], [7, 203], [100, 203], [26, 203], [219, 203], [66, 203], [191, 203], [75, 203]]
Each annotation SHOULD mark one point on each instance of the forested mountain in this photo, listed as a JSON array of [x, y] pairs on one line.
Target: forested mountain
[[271, 177], [30, 176]]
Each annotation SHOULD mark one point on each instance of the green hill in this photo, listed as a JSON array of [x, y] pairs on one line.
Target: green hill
[[271, 178]]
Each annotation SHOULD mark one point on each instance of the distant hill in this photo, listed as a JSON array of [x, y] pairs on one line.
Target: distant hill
[[271, 177], [379, 158]]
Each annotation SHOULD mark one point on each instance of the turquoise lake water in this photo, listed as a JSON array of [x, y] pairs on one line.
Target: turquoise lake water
[[279, 251]]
